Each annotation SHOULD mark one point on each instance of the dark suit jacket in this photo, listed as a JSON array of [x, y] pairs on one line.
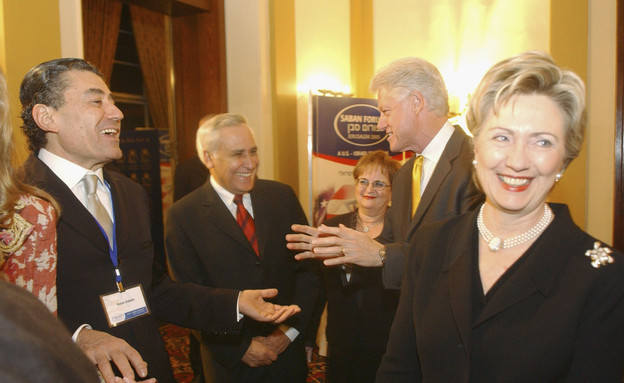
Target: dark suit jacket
[[450, 192], [359, 316], [554, 319], [205, 245], [34, 345], [85, 271], [360, 311]]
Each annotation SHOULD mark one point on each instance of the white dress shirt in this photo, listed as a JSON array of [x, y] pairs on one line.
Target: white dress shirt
[[433, 152], [72, 174]]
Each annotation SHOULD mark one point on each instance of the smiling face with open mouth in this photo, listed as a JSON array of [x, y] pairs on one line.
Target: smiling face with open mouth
[[519, 151], [87, 126], [234, 163]]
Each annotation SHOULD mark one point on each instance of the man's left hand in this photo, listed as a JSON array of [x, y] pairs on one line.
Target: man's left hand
[[276, 341], [251, 303]]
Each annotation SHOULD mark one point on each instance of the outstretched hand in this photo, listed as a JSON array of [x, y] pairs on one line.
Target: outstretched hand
[[334, 245], [252, 304], [102, 348]]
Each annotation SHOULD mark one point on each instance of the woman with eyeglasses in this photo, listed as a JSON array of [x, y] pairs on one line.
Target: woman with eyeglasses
[[359, 309]]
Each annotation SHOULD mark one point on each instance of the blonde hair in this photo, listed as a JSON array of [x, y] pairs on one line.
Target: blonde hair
[[11, 184], [532, 72]]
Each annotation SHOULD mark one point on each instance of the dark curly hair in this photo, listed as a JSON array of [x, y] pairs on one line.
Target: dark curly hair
[[45, 84]]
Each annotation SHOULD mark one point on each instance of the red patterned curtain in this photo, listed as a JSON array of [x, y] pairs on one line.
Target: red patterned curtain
[[100, 25], [151, 42]]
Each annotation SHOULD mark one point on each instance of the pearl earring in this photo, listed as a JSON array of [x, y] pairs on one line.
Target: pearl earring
[[558, 177], [474, 163]]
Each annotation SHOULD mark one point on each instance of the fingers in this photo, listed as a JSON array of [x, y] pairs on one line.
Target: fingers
[[259, 354], [122, 364], [304, 229], [303, 246], [106, 370], [251, 304], [102, 348], [294, 238], [268, 293], [130, 354], [287, 312]]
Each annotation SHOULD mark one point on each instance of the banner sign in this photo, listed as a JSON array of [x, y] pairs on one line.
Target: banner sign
[[343, 130]]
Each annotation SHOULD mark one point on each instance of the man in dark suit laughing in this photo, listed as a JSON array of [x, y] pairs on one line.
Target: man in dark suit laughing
[[109, 290], [230, 233]]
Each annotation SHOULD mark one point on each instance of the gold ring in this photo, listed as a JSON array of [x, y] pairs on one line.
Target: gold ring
[[342, 253]]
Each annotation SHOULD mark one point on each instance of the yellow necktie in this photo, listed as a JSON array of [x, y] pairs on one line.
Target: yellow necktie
[[416, 174]]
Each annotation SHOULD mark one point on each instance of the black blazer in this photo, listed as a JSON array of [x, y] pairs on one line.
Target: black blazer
[[360, 311], [85, 271], [205, 245], [450, 192], [554, 319]]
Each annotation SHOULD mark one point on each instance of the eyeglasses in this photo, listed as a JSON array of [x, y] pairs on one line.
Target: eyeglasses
[[377, 185]]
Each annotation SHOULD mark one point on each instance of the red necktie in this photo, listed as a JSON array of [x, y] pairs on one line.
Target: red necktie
[[246, 222]]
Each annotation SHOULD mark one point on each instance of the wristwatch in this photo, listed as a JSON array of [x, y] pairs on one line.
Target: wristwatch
[[382, 255]]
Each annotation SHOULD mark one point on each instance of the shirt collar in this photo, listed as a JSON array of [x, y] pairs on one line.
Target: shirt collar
[[69, 172], [225, 195], [434, 150]]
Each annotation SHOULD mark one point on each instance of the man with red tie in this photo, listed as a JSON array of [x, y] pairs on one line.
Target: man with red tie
[[230, 233]]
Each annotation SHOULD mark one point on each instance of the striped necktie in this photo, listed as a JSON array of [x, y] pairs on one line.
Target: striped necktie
[[246, 222]]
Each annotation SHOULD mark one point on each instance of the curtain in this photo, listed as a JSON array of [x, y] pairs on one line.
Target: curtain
[[151, 42], [100, 24]]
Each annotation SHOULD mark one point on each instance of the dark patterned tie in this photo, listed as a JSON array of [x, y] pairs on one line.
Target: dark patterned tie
[[246, 222]]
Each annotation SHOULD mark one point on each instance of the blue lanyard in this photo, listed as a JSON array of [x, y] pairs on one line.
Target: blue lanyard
[[112, 251]]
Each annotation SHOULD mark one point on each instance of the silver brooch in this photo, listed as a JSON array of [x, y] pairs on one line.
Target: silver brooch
[[600, 256]]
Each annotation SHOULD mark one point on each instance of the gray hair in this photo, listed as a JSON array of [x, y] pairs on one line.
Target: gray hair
[[206, 138], [415, 74]]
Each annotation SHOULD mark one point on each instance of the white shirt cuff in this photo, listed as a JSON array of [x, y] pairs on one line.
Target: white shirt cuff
[[290, 332], [239, 316], [75, 335]]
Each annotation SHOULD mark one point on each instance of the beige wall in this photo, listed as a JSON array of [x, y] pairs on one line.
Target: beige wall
[[600, 142], [568, 46], [248, 72], [30, 37], [462, 37]]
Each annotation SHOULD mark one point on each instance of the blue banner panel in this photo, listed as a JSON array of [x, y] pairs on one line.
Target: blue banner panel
[[343, 130]]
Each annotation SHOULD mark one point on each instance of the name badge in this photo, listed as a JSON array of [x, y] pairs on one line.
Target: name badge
[[121, 307]]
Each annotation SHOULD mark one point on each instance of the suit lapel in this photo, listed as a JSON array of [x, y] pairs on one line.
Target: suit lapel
[[404, 193], [215, 211], [120, 198], [261, 217], [73, 213], [443, 167], [535, 276], [458, 265]]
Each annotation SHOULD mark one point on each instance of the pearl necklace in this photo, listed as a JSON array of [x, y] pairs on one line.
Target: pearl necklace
[[367, 228], [496, 243]]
